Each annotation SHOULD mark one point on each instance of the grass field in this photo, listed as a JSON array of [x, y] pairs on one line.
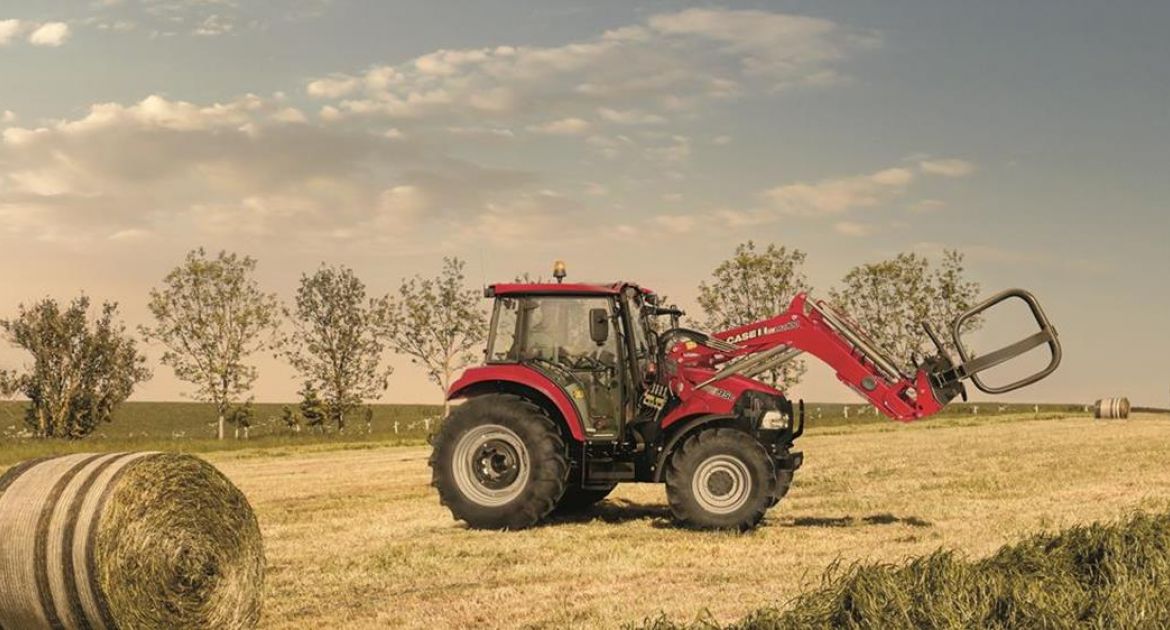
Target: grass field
[[191, 427], [356, 538]]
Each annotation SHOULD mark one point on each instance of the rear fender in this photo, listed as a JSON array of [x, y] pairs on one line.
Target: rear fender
[[523, 381]]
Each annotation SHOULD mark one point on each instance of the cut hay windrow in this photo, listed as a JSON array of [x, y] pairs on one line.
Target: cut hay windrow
[[127, 540], [1113, 575]]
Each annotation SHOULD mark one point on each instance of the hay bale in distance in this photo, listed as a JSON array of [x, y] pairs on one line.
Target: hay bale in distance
[[127, 540], [1111, 408]]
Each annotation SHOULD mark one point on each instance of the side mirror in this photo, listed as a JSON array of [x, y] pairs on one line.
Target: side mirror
[[599, 325]]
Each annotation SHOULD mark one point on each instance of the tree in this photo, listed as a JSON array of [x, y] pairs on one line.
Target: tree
[[81, 371], [290, 419], [211, 316], [241, 417], [890, 299], [754, 285], [312, 409], [335, 343], [436, 321]]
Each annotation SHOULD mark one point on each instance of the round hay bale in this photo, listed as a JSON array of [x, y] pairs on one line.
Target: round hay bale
[[127, 540], [1111, 408]]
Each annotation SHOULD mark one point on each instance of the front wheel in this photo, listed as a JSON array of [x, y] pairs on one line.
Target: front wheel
[[721, 479], [499, 463]]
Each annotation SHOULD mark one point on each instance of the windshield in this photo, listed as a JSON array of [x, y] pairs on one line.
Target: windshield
[[550, 328]]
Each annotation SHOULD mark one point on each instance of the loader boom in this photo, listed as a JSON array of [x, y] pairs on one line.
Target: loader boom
[[816, 328]]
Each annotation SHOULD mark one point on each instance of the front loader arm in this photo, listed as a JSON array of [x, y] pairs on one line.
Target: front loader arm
[[816, 328]]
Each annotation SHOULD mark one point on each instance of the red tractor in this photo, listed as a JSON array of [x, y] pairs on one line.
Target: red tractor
[[586, 386]]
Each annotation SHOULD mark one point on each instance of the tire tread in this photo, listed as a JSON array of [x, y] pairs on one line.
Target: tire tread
[[549, 475]]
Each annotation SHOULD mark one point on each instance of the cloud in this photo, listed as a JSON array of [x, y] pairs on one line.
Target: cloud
[[768, 44], [333, 87], [852, 228], [633, 75], [131, 234], [215, 25], [9, 29], [7, 116], [524, 219], [498, 133], [290, 115], [678, 150], [947, 167], [927, 206], [675, 223], [630, 117], [839, 195], [995, 255], [385, 155], [562, 127], [237, 167], [50, 34]]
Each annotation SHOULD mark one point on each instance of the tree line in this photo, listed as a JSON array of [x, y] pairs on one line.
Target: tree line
[[211, 317]]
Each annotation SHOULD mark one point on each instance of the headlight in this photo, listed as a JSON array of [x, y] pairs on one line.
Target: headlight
[[773, 420]]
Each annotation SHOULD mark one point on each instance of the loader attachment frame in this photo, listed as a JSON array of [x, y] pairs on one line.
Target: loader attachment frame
[[970, 365]]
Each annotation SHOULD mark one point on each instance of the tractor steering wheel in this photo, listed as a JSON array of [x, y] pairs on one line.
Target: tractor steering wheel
[[586, 361], [667, 339]]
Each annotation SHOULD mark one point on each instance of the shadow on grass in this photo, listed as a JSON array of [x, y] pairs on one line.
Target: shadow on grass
[[850, 521], [614, 511]]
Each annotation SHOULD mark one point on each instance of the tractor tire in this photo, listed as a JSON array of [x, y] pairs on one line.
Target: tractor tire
[[499, 462], [721, 479], [577, 499], [783, 483]]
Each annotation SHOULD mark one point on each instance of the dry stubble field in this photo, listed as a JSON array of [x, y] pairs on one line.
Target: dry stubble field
[[357, 539]]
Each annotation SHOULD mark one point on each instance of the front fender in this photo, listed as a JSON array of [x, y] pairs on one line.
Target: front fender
[[680, 430]]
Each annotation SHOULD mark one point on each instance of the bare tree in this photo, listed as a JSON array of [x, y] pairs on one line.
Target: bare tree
[[211, 315], [891, 298], [437, 322], [81, 371], [753, 285], [335, 344]]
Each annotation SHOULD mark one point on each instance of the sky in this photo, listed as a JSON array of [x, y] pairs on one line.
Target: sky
[[634, 140]]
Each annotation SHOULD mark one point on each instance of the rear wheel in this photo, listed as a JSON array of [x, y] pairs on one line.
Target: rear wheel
[[577, 498], [721, 479], [499, 463]]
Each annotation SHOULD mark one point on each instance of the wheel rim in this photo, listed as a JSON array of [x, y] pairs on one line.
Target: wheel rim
[[491, 465], [721, 484]]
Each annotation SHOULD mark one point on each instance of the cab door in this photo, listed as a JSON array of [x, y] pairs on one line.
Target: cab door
[[554, 334]]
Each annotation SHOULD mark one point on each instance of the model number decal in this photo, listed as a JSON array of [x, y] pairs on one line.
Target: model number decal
[[722, 393], [763, 330]]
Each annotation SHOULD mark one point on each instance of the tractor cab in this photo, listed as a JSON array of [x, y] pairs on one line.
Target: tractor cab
[[591, 340]]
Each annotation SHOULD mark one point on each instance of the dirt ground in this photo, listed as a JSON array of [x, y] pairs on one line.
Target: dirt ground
[[357, 539]]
